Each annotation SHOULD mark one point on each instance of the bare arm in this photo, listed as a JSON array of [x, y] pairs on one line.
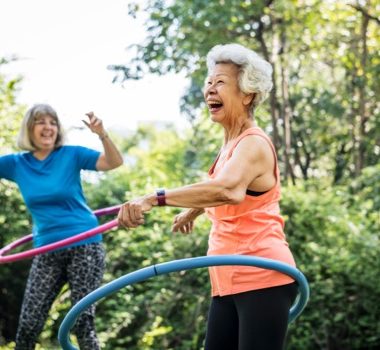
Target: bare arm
[[229, 187], [111, 158]]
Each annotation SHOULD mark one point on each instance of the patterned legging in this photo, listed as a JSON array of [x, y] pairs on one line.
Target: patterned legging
[[82, 267]]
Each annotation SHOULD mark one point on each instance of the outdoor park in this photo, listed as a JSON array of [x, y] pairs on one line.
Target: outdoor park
[[323, 117]]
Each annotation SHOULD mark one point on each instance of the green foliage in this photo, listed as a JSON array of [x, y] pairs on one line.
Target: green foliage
[[14, 223], [10, 111], [333, 232], [325, 59], [336, 245], [332, 220], [14, 220], [180, 33], [145, 316]]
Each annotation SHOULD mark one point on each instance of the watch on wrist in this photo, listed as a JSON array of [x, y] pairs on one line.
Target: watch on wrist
[[161, 198]]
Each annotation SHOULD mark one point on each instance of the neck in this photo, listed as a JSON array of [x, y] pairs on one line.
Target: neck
[[233, 131], [41, 154]]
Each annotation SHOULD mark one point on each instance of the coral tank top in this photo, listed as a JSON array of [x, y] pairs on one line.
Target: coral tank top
[[253, 227]]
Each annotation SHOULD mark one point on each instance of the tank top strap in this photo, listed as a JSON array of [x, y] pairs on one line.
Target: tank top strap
[[211, 170], [257, 132]]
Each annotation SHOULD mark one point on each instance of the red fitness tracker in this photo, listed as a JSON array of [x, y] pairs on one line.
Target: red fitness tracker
[[161, 199]]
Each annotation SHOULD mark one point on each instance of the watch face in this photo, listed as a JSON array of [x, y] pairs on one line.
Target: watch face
[[160, 192], [161, 199]]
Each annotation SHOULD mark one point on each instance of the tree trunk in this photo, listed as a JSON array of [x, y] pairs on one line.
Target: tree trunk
[[272, 96], [286, 111], [363, 116]]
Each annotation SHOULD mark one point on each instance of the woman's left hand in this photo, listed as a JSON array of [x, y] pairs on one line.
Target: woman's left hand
[[131, 213], [95, 124], [183, 222]]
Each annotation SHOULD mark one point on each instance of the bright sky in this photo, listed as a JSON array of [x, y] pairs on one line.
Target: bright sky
[[64, 49]]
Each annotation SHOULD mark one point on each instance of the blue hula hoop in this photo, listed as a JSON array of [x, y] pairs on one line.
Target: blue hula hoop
[[180, 265]]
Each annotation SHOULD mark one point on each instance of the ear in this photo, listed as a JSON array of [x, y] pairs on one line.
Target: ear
[[247, 100]]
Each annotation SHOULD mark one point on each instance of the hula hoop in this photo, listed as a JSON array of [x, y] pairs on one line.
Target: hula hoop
[[179, 265], [56, 245]]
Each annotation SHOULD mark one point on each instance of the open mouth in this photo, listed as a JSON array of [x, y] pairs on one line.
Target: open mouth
[[46, 137], [214, 106]]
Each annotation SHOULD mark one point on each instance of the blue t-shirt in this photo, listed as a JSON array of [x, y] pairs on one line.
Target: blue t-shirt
[[53, 193]]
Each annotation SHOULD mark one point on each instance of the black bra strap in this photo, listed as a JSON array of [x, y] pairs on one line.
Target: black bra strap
[[254, 193]]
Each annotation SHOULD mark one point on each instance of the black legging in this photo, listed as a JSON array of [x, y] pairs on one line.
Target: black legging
[[254, 320], [82, 267]]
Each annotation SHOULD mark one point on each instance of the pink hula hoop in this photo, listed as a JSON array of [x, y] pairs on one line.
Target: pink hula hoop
[[60, 244]]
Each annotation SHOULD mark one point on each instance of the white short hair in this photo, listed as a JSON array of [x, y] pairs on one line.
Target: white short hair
[[255, 74], [24, 140]]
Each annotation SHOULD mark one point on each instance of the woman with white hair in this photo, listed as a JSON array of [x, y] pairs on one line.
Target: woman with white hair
[[250, 306], [48, 176]]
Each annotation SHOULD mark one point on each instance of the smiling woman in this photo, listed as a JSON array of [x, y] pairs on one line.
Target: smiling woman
[[48, 176], [249, 307], [41, 131], [255, 74], [44, 134]]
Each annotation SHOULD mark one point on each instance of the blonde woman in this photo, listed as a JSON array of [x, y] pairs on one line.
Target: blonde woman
[[48, 176]]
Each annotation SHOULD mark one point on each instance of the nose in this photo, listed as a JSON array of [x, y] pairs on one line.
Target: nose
[[210, 90], [50, 125]]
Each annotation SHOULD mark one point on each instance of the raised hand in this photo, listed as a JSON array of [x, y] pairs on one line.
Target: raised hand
[[95, 124]]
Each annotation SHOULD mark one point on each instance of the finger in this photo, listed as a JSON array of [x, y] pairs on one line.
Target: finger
[[175, 228], [124, 216], [85, 122], [135, 218], [120, 217], [97, 122], [131, 211], [93, 120], [90, 114], [122, 223], [136, 214]]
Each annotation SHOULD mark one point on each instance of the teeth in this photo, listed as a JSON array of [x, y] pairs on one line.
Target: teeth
[[211, 103]]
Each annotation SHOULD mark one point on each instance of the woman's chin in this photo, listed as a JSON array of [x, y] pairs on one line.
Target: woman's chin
[[46, 147], [215, 117]]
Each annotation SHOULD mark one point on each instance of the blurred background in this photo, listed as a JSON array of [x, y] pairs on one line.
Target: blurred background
[[140, 65]]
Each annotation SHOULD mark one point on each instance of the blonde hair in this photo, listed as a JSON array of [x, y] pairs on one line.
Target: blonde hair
[[255, 75], [24, 140]]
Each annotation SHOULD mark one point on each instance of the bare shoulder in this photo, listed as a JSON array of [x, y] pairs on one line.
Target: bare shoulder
[[255, 147]]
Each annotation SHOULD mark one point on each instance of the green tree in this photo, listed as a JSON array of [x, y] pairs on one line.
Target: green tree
[[324, 118], [13, 216], [334, 234]]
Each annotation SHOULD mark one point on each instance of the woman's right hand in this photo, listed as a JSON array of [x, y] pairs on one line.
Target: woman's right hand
[[95, 124], [131, 213]]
